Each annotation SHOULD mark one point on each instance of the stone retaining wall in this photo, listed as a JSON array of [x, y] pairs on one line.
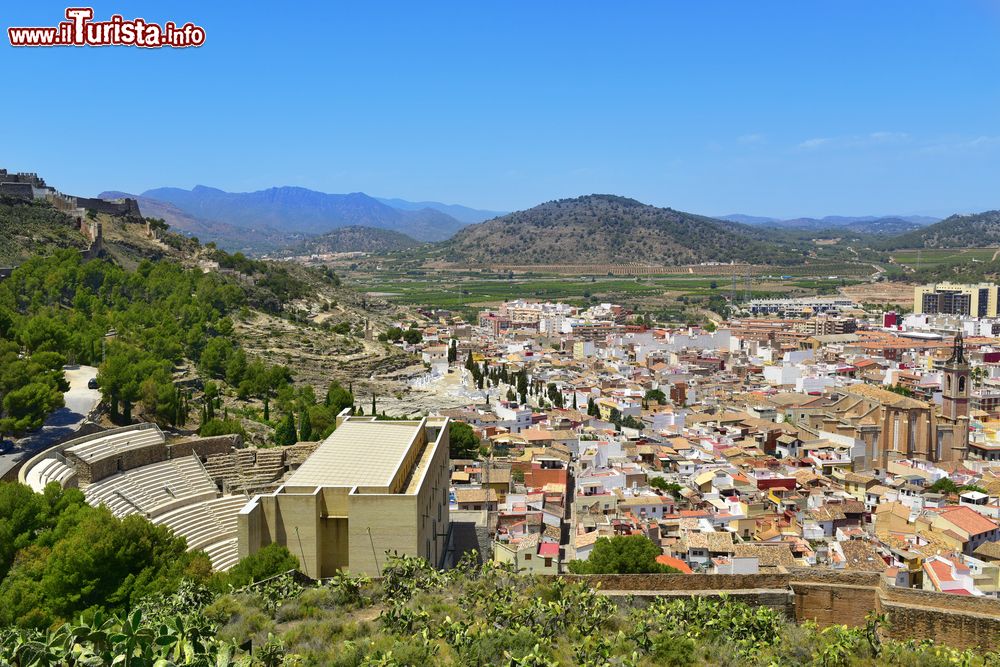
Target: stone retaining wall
[[831, 597], [219, 444]]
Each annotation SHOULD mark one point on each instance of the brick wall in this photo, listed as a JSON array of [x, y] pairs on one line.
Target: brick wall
[[954, 620]]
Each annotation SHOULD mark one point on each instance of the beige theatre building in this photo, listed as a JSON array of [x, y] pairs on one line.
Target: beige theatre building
[[371, 487]]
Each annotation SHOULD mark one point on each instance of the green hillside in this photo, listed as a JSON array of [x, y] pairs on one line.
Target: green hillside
[[956, 231], [598, 229], [355, 238]]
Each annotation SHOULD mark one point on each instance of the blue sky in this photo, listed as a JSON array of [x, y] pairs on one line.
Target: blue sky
[[780, 108]]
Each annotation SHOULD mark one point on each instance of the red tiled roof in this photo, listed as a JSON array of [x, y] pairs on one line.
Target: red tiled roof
[[968, 520], [548, 549], [674, 563]]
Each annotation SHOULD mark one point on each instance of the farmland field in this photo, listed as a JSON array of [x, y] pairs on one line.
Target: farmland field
[[930, 257], [470, 291]]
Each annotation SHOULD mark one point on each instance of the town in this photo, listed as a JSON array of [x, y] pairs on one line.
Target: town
[[822, 436]]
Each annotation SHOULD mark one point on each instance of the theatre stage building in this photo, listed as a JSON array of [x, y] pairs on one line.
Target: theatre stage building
[[371, 487]]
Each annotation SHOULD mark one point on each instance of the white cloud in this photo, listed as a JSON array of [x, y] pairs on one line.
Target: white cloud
[[855, 140], [818, 142]]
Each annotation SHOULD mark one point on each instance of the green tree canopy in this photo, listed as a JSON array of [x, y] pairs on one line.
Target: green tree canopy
[[463, 443], [271, 560], [62, 556], [629, 554], [656, 395]]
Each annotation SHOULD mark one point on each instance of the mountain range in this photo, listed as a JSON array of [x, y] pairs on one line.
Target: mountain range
[[293, 209], [866, 224], [588, 229], [265, 220]]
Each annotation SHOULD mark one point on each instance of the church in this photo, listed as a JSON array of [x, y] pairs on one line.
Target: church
[[891, 426]]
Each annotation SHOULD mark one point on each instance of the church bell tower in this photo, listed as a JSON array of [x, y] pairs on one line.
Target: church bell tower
[[955, 387]]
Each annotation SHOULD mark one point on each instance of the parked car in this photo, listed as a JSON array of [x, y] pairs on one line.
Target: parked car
[[92, 383]]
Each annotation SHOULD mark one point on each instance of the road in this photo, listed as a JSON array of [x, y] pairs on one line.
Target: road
[[62, 423]]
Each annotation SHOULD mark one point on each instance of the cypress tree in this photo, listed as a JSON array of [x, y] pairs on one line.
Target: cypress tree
[[285, 434], [305, 426]]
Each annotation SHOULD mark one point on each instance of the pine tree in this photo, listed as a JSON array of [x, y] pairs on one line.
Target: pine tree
[[373, 405], [267, 410]]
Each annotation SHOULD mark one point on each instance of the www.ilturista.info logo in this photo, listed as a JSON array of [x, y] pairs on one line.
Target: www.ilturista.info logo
[[81, 30]]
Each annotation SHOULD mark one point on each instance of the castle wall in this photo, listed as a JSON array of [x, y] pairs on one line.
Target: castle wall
[[17, 190], [124, 207]]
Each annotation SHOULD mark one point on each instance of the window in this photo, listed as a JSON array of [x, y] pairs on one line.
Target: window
[[527, 556]]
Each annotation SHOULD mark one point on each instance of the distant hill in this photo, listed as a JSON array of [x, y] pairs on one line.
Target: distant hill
[[869, 224], [293, 209], [956, 231], [598, 229], [353, 239], [461, 213]]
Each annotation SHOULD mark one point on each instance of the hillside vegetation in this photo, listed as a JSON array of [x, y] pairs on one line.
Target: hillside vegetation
[[472, 615], [29, 229], [957, 231], [599, 229]]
